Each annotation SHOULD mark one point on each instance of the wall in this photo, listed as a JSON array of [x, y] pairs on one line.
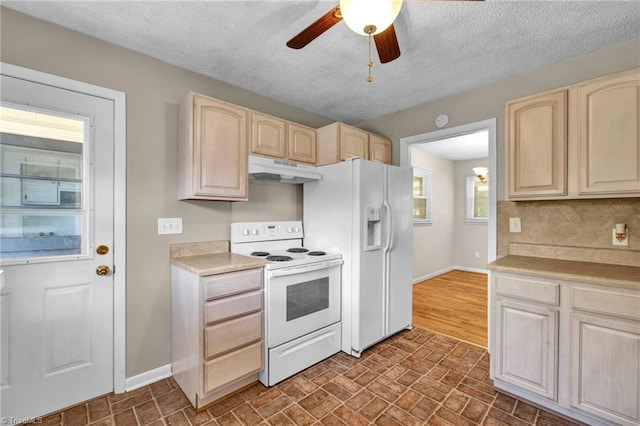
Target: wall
[[467, 237], [433, 243], [153, 90], [488, 102]]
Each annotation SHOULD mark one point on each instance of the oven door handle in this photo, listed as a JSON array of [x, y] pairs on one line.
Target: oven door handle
[[308, 268]]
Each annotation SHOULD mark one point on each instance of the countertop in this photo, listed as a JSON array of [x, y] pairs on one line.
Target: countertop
[[569, 270], [210, 258], [216, 263]]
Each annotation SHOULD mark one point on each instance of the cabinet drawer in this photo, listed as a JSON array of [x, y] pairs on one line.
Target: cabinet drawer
[[233, 366], [233, 306], [222, 285], [609, 302], [526, 288], [229, 335]]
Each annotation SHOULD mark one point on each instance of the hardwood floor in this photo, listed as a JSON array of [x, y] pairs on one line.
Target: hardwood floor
[[454, 304]]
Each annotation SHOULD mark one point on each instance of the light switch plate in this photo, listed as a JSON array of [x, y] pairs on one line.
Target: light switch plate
[[169, 225], [514, 224]]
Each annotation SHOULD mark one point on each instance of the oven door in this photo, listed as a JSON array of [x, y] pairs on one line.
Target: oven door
[[301, 300]]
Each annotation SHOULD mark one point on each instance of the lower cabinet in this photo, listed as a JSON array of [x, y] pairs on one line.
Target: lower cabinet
[[526, 346], [216, 332], [568, 346]]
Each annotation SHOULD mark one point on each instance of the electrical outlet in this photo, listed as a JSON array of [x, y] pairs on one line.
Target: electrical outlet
[[169, 225], [476, 254], [616, 242], [514, 224]]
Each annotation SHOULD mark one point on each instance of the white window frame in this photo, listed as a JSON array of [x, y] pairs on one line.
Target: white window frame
[[469, 201], [427, 179]]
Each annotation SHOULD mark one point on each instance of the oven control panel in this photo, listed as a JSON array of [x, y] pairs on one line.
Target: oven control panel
[[244, 232]]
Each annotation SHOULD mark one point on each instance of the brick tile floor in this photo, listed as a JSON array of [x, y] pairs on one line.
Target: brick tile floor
[[414, 378]]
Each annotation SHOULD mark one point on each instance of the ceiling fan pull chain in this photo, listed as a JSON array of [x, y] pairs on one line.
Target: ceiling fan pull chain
[[370, 62]]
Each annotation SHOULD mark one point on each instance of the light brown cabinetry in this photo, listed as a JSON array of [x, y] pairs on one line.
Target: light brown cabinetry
[[525, 341], [537, 145], [580, 141], [278, 138], [216, 332], [338, 141], [568, 346], [379, 149], [609, 139], [212, 150]]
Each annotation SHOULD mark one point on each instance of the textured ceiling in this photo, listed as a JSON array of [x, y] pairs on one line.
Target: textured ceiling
[[447, 47]]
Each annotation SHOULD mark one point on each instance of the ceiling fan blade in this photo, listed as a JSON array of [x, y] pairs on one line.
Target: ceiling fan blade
[[316, 29], [387, 45]]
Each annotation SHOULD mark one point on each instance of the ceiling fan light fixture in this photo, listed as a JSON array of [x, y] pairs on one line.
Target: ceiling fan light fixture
[[369, 17]]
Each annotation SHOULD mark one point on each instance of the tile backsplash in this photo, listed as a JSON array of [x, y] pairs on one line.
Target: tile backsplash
[[571, 229]]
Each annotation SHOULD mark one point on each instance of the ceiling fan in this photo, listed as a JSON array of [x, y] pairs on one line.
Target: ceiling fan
[[367, 17]]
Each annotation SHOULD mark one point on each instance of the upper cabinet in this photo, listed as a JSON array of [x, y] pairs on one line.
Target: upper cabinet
[[379, 149], [212, 150], [278, 138], [609, 111], [338, 141], [537, 145], [581, 141]]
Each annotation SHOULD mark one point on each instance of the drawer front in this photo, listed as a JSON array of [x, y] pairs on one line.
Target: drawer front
[[233, 306], [222, 285], [528, 288], [229, 335], [232, 366], [610, 302]]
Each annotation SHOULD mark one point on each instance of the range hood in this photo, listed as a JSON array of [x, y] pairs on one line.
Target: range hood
[[274, 170]]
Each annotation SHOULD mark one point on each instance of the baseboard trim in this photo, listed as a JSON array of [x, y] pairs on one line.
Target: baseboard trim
[[147, 378], [449, 269], [476, 270], [433, 274]]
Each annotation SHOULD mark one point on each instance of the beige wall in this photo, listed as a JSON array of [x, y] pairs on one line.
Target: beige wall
[[433, 243], [467, 237], [153, 89]]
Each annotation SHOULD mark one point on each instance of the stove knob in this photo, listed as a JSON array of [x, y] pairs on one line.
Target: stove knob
[[290, 229], [296, 229], [245, 232], [254, 231]]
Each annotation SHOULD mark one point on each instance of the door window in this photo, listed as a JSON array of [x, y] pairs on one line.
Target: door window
[[42, 181]]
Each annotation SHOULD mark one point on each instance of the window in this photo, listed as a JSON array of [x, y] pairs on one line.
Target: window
[[476, 200], [41, 184], [421, 195]]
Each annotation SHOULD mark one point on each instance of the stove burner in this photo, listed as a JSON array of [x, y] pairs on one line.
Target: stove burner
[[260, 253], [297, 250], [279, 258], [316, 253]]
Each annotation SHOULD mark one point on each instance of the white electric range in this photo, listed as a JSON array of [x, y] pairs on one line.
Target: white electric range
[[302, 296]]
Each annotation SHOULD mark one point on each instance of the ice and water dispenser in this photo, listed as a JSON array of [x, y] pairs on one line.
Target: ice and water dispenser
[[374, 227]]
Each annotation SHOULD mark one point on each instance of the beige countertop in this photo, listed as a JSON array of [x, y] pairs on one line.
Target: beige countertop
[[210, 258], [569, 270]]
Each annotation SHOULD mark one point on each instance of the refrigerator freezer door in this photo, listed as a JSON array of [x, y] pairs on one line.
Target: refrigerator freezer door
[[400, 257], [369, 312]]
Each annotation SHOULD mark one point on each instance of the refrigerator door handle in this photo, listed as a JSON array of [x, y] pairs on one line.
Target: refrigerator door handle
[[389, 223]]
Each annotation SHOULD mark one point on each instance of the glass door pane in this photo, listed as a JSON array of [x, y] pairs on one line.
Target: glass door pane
[[41, 184]]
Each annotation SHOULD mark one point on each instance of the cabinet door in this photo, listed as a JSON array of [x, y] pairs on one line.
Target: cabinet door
[[537, 146], [609, 135], [302, 143], [353, 142], [267, 135], [379, 149], [220, 150], [606, 367], [525, 347]]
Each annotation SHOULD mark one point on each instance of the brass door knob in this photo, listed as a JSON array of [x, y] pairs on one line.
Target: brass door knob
[[102, 270]]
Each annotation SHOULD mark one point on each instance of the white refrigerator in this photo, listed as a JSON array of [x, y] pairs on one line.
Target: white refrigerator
[[363, 210]]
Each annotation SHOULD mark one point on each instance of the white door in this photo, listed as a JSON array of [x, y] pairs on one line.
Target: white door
[[56, 238]]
